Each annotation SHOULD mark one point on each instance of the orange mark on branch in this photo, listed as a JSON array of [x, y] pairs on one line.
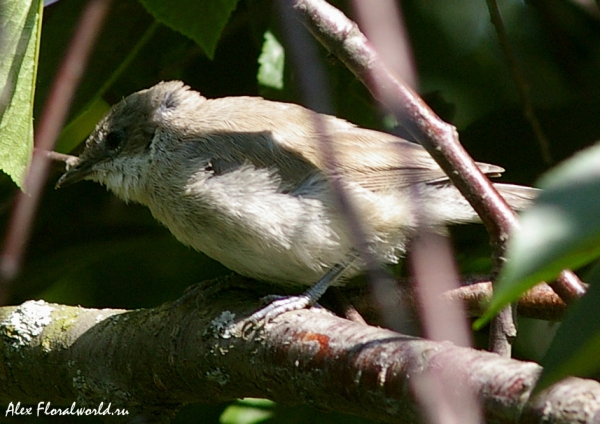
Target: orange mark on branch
[[321, 339]]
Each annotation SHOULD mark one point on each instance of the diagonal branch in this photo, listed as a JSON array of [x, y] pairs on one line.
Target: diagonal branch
[[342, 38]]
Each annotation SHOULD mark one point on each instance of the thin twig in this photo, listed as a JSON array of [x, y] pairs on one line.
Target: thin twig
[[69, 160], [539, 302], [521, 82], [568, 286]]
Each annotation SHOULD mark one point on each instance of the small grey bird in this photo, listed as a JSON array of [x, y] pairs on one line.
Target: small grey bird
[[244, 180]]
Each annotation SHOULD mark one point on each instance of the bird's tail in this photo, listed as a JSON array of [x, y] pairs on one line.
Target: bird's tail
[[447, 206], [517, 196]]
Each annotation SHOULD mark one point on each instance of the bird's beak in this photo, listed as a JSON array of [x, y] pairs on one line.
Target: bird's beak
[[75, 172]]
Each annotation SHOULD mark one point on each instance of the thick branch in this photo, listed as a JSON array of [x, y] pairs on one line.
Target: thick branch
[[201, 350]]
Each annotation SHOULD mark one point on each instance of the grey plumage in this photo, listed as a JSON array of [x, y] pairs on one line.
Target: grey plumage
[[243, 180]]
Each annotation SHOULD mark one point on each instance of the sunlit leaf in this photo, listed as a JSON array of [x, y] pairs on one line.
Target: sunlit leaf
[[20, 22], [247, 411], [271, 60]]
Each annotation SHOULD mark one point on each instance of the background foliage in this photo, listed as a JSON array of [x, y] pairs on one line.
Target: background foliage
[[89, 248]]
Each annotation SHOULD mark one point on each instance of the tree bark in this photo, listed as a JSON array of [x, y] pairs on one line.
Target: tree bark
[[201, 349]]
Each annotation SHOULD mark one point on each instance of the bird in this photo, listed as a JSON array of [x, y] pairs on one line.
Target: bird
[[245, 181]]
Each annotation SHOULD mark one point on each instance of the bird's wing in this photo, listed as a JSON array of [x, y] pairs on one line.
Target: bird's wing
[[375, 160], [293, 138], [389, 162]]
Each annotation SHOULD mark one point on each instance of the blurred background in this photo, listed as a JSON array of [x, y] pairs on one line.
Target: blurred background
[[88, 248]]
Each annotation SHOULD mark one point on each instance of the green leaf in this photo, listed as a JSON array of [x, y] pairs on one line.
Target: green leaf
[[271, 60], [201, 20], [20, 23], [575, 350], [561, 230], [248, 411]]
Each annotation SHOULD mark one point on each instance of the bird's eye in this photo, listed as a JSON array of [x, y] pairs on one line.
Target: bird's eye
[[114, 139]]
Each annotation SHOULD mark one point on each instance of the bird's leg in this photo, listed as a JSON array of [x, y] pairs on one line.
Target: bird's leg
[[306, 299]]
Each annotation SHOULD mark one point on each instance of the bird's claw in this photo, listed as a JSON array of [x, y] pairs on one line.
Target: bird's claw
[[277, 306]]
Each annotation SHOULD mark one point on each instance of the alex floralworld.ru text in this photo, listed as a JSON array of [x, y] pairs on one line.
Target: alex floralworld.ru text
[[45, 408]]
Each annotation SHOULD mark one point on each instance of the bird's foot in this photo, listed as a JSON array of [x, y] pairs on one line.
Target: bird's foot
[[280, 304]]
